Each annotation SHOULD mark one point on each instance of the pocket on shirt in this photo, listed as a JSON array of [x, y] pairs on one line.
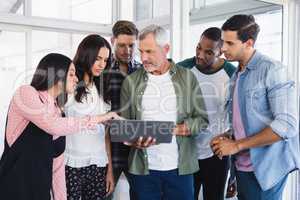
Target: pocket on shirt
[[257, 101]]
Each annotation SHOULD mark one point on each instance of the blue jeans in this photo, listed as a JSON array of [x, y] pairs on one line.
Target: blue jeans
[[249, 189], [167, 185]]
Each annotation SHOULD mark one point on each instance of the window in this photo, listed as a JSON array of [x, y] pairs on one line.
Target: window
[[94, 11], [44, 42], [56, 42], [196, 4], [148, 9], [12, 71], [161, 8], [143, 9], [12, 7], [127, 10], [269, 39]]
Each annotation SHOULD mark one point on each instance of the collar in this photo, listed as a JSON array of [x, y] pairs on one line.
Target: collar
[[132, 65], [254, 60]]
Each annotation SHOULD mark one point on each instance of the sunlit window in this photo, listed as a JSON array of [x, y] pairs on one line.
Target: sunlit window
[[269, 39], [12, 71], [94, 11]]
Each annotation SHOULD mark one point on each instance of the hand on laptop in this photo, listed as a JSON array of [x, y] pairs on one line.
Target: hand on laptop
[[142, 142], [107, 116]]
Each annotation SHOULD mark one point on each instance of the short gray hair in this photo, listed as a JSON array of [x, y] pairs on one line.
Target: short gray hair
[[160, 34]]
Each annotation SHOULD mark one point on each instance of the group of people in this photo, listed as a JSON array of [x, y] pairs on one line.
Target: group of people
[[240, 119]]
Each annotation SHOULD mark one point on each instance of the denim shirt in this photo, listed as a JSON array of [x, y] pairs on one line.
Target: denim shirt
[[267, 98]]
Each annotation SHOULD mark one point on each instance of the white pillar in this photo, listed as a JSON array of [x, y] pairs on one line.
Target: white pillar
[[291, 58], [116, 7], [180, 24], [127, 9]]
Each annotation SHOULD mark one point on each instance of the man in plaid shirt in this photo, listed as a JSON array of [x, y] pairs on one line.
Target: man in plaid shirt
[[123, 42]]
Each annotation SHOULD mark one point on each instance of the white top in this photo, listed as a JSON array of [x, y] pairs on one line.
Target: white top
[[213, 87], [87, 147], [159, 103]]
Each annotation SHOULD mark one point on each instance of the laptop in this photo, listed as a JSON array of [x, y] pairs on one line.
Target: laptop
[[131, 130]]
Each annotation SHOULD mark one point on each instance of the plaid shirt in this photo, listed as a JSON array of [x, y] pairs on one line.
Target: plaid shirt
[[119, 151]]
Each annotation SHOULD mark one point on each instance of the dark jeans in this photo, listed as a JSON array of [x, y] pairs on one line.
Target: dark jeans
[[249, 189], [117, 173], [168, 184], [212, 177]]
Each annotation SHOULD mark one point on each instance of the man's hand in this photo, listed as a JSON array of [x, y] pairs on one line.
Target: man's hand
[[223, 146], [223, 135], [142, 143], [182, 130], [110, 185]]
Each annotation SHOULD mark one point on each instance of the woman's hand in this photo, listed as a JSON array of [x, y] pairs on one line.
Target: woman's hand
[[110, 185], [108, 116]]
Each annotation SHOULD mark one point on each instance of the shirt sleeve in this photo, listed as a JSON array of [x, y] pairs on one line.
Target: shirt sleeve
[[283, 102], [28, 104], [59, 181]]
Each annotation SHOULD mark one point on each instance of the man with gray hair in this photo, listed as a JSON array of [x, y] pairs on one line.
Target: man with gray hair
[[163, 91]]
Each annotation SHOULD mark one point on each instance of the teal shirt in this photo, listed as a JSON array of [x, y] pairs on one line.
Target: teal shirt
[[191, 62], [190, 109]]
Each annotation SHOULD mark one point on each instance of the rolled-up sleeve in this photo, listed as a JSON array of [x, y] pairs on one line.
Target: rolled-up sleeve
[[283, 102]]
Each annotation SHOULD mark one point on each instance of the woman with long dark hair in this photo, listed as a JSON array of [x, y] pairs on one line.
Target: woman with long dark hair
[[88, 158], [32, 164]]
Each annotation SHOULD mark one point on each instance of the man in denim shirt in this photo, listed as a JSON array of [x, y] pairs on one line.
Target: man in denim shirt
[[263, 116]]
